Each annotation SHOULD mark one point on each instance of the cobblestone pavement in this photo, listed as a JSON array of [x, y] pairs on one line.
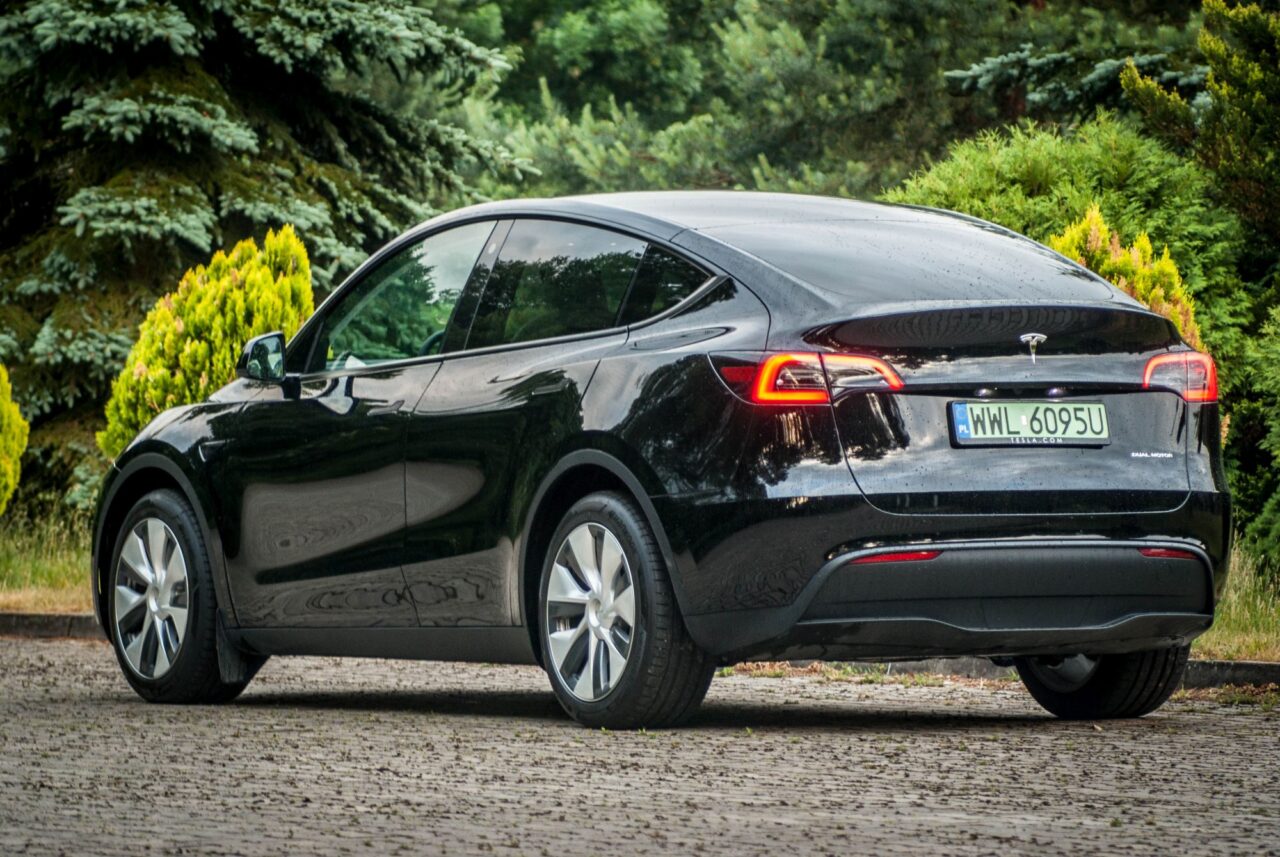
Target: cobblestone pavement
[[322, 755]]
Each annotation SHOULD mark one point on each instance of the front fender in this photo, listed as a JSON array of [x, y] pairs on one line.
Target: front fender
[[168, 454]]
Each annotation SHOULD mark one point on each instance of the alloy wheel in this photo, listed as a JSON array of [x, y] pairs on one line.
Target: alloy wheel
[[590, 612], [152, 597]]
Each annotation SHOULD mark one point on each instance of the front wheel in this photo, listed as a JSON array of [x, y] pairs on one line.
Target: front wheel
[[1102, 687], [161, 602], [613, 641]]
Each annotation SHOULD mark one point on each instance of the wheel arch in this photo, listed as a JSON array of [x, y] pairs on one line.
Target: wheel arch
[[134, 479], [575, 476]]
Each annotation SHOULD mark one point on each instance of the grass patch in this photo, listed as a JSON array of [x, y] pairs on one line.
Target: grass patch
[[1263, 697], [1247, 622], [44, 565], [855, 673]]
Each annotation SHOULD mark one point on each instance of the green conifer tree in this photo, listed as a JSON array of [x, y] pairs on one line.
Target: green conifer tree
[[138, 135]]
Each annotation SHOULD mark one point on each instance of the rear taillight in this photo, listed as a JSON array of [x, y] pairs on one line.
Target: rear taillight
[[804, 378], [790, 379], [846, 371], [1190, 374]]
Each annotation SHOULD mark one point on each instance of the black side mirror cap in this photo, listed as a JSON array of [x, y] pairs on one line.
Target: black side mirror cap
[[263, 358]]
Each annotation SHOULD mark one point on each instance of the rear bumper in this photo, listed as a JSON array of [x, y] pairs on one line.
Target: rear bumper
[[992, 597]]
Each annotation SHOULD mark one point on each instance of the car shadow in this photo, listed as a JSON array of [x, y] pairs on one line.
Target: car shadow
[[524, 705], [715, 716]]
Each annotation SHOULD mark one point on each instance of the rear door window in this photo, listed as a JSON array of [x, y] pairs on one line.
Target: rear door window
[[554, 279], [662, 280]]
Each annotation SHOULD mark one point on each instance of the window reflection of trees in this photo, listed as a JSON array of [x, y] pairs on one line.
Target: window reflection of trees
[[400, 314], [555, 296], [402, 308]]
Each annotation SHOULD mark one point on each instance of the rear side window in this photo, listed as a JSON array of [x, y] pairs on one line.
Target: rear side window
[[554, 279], [661, 282]]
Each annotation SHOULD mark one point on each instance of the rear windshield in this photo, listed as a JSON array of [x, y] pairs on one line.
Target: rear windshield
[[931, 258]]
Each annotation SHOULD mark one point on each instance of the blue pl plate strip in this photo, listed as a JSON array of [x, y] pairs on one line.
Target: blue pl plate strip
[[960, 413]]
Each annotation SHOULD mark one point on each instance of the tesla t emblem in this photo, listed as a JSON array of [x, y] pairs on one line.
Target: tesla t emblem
[[1032, 341]]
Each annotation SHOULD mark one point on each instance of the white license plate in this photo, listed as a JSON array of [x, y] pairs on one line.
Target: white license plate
[[1029, 423]]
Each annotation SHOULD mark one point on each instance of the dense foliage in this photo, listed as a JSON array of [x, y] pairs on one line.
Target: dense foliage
[[1038, 182], [136, 136], [13, 441], [1071, 57], [1135, 269], [1235, 135], [188, 344], [820, 95]]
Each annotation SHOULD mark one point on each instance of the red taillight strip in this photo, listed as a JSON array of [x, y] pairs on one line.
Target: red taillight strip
[[897, 556], [766, 392], [1205, 391], [1167, 553], [811, 378], [835, 362]]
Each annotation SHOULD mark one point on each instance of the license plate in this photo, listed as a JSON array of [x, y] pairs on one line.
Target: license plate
[[1029, 423]]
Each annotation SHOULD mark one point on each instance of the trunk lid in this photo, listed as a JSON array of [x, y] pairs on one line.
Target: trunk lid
[[901, 446]]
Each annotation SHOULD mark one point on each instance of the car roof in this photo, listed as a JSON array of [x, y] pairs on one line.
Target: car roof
[[699, 210], [704, 209], [833, 248]]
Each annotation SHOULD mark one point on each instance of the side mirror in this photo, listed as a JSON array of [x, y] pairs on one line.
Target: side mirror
[[262, 358]]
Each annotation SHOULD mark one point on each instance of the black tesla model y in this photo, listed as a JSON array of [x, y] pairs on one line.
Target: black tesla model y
[[632, 437]]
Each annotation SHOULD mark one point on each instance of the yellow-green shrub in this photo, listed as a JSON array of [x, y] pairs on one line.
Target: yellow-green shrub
[[188, 344], [13, 440], [1134, 269]]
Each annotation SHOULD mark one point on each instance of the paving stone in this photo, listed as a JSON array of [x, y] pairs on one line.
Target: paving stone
[[328, 756]]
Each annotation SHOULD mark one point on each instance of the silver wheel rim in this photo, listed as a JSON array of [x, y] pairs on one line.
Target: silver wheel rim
[[152, 597], [590, 612], [1066, 674]]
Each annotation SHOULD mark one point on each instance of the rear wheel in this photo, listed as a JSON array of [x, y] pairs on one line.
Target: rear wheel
[[161, 603], [1080, 687], [613, 641]]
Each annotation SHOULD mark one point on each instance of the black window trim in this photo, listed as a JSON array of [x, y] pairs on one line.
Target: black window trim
[[712, 281]]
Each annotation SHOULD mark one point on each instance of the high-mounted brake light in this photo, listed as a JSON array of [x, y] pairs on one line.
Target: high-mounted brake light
[[804, 378], [897, 556], [1190, 374]]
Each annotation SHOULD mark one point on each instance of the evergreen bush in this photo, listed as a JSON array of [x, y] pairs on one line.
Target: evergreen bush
[[1234, 134], [13, 440], [1136, 270], [189, 343]]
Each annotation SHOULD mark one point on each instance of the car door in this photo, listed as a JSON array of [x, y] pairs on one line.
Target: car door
[[492, 423], [312, 482]]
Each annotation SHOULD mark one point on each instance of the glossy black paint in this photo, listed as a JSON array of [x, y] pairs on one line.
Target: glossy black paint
[[397, 509]]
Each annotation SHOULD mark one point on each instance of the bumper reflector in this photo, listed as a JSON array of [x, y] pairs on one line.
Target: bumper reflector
[[898, 556], [1167, 553]]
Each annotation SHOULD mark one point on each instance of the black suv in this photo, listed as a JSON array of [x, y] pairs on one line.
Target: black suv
[[631, 437]]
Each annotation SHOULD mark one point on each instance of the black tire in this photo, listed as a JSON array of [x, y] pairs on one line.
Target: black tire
[[1118, 686], [666, 674], [193, 676]]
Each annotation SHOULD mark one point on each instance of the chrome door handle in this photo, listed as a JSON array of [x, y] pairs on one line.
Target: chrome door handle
[[553, 387], [388, 408]]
